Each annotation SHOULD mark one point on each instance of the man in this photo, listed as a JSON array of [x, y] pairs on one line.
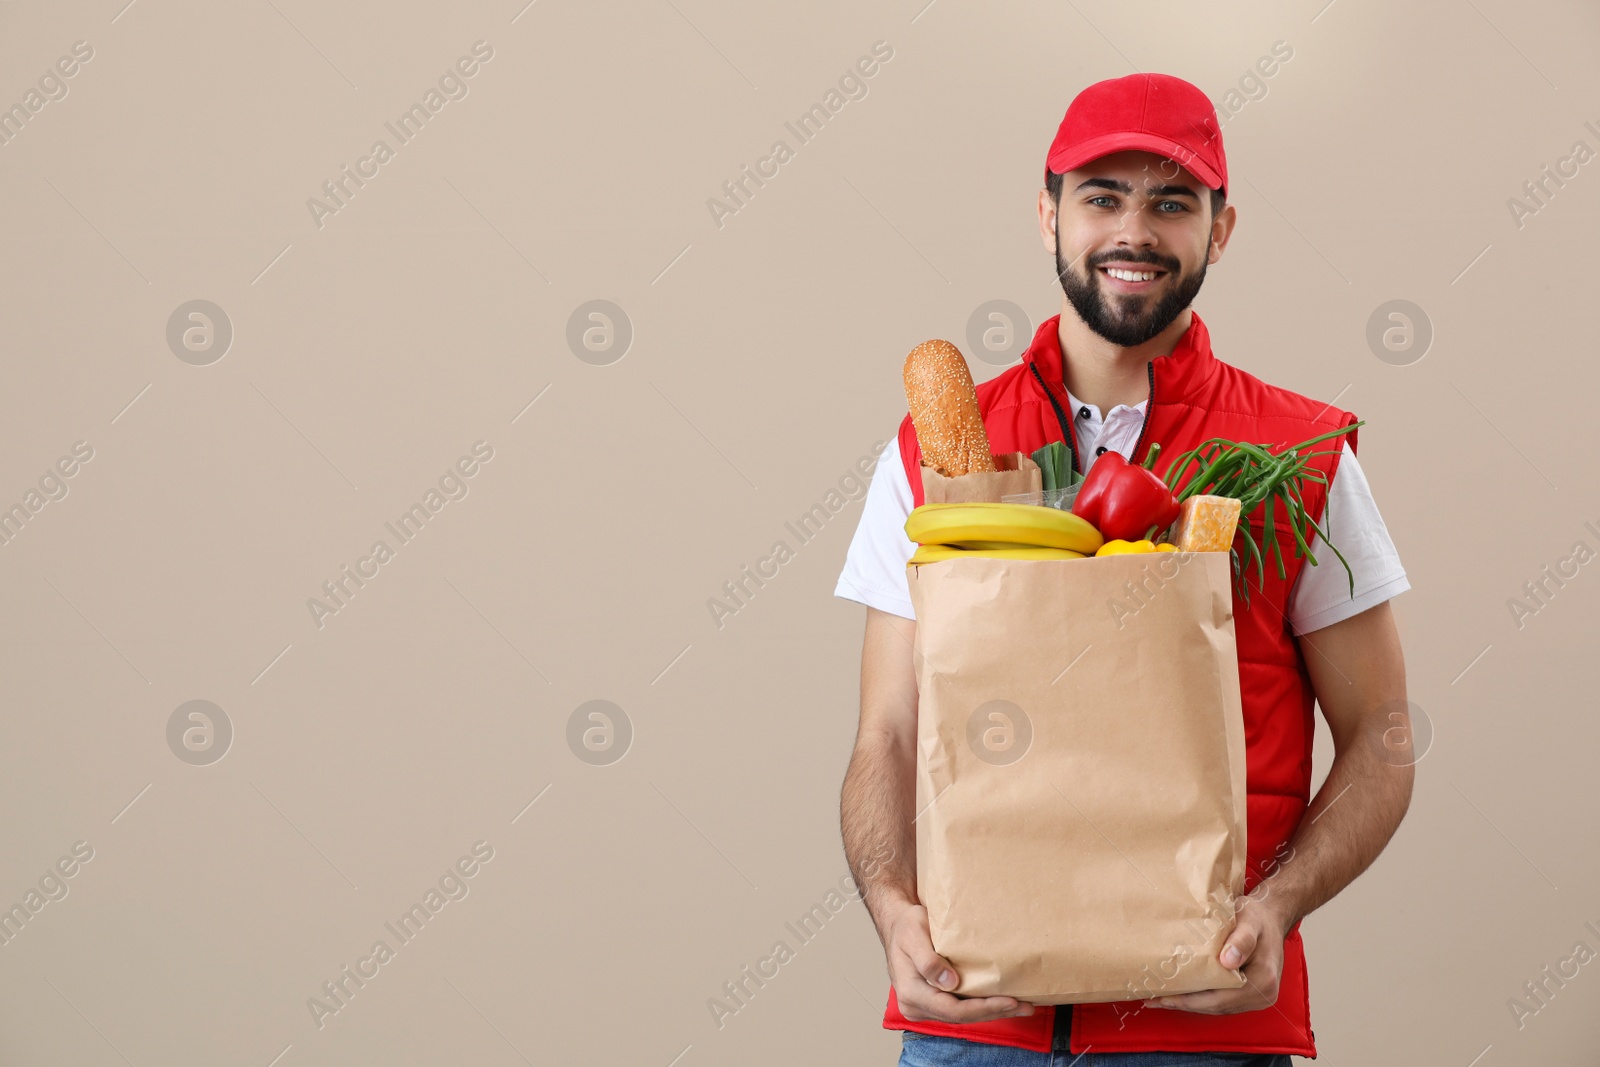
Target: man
[[1134, 211]]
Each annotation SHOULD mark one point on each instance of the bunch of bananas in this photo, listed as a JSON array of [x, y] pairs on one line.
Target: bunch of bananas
[[1007, 531]]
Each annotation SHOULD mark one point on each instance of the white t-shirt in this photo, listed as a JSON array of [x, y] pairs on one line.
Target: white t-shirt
[[875, 566]]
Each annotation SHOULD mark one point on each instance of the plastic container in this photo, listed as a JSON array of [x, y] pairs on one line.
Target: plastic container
[[1060, 499]]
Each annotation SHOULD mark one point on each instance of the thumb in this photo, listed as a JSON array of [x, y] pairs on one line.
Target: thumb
[[1240, 944], [938, 972], [917, 944]]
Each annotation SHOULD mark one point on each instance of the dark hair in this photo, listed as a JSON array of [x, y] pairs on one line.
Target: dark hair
[[1053, 183]]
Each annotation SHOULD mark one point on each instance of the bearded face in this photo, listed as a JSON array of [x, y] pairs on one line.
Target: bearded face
[[1113, 297]]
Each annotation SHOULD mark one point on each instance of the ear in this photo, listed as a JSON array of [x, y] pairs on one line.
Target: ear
[[1047, 221], [1221, 231]]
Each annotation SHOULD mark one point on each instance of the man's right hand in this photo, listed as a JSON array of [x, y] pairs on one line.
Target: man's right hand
[[921, 977]]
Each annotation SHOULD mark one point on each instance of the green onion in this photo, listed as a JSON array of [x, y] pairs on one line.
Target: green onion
[[1256, 478]]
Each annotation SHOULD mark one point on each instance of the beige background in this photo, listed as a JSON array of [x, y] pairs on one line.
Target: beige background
[[369, 354]]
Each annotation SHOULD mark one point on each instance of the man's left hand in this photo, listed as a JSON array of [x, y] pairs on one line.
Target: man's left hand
[[1256, 947]]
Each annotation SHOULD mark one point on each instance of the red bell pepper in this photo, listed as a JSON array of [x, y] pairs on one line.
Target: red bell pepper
[[1123, 501]]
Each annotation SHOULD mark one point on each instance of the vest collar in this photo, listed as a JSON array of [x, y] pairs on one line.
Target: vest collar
[[1174, 376]]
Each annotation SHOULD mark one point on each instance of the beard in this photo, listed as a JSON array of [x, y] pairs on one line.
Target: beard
[[1128, 319]]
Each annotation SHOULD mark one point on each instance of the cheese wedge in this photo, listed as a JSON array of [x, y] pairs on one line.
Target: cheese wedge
[[1206, 524]]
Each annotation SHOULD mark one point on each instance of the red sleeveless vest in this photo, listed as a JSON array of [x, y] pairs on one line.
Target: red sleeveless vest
[[1193, 396]]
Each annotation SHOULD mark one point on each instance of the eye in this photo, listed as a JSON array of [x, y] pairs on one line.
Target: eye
[[1182, 207], [1109, 201]]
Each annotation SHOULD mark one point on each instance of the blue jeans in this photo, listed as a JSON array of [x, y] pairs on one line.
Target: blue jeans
[[930, 1050]]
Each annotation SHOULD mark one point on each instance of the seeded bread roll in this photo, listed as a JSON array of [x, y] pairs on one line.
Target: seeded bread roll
[[944, 410]]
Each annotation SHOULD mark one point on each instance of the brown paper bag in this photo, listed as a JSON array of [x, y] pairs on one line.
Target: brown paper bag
[[1080, 773], [1014, 472]]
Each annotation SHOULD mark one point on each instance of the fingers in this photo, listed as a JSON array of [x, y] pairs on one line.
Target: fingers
[[1214, 1001], [1240, 946], [981, 1009], [916, 943], [932, 1004], [923, 980], [1259, 991], [1209, 1002], [919, 999]]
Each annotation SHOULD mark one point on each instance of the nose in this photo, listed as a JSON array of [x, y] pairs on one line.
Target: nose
[[1133, 230]]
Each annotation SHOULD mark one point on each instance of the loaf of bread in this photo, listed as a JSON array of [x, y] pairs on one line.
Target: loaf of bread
[[1206, 524], [944, 410]]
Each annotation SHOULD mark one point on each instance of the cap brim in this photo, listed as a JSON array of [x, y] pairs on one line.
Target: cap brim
[[1130, 140]]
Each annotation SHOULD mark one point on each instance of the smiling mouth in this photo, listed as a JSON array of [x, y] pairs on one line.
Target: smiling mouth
[[1131, 281]]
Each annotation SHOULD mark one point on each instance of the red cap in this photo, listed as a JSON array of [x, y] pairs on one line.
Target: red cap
[[1146, 112]]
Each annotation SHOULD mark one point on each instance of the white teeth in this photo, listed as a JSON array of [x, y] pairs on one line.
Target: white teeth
[[1130, 275]]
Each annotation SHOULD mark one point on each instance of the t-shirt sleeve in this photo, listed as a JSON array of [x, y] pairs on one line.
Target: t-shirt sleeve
[[875, 566], [1321, 595]]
